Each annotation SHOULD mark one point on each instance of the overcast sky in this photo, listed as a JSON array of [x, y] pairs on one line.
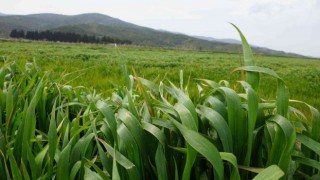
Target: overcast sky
[[288, 25]]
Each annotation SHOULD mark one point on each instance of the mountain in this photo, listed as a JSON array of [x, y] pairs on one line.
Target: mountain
[[255, 48], [230, 41], [103, 25]]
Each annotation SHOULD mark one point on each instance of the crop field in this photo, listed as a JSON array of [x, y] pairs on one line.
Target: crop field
[[100, 66], [79, 111]]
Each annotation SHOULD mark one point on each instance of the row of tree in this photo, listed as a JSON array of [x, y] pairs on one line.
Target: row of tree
[[65, 37]]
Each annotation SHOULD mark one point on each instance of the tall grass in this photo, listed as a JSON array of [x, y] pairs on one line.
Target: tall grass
[[154, 131]]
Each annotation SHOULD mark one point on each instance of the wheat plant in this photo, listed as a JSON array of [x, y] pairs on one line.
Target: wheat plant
[[50, 130]]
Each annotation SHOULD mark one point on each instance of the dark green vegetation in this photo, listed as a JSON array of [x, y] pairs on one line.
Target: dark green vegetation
[[150, 130], [101, 25], [64, 37]]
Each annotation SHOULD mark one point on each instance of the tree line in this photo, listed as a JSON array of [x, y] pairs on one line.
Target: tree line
[[57, 36]]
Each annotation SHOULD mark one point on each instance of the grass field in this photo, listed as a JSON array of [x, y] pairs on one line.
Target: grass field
[[100, 66], [145, 127]]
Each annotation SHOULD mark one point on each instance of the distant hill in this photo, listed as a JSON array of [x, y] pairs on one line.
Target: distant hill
[[103, 25], [230, 41]]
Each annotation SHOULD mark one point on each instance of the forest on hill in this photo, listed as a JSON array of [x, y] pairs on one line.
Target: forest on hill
[[57, 36]]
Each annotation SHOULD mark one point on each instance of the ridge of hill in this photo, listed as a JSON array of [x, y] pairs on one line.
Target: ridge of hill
[[103, 25]]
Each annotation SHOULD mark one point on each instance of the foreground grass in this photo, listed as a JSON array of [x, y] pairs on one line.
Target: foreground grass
[[147, 130]]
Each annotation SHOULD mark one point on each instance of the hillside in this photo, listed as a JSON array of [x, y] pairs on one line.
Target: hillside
[[230, 41], [103, 25]]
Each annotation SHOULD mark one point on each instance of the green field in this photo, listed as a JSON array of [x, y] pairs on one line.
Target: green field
[[78, 113], [100, 66]]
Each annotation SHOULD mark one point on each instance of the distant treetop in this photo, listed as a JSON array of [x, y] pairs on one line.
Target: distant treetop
[[65, 37]]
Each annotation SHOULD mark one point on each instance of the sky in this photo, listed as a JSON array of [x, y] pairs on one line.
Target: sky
[[287, 25]]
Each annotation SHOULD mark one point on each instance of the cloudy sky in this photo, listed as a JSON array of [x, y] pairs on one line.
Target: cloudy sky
[[288, 25]]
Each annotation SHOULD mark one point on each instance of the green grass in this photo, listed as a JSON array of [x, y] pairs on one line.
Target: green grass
[[200, 123], [100, 67], [166, 129]]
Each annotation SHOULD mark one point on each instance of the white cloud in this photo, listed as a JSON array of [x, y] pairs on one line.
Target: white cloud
[[269, 7], [165, 9]]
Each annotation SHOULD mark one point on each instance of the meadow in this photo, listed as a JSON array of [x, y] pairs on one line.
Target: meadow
[[101, 66], [79, 111]]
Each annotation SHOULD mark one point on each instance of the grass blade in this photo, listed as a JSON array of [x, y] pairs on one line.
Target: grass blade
[[30, 121], [161, 163], [251, 77], [80, 148], [75, 169], [307, 161], [144, 93], [134, 126], [122, 160], [89, 174], [155, 131], [97, 169], [14, 167], [220, 125], [25, 172], [115, 172], [258, 69], [110, 118], [52, 138], [187, 120], [64, 163], [310, 143], [232, 160], [253, 101], [39, 160], [152, 86], [315, 120], [270, 173], [185, 101], [283, 142], [204, 147], [217, 105], [282, 90], [236, 121], [3, 164], [282, 99]]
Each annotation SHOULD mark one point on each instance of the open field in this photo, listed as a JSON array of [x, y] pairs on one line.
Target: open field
[[155, 129], [100, 66]]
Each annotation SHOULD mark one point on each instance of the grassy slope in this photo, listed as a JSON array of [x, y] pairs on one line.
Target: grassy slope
[[100, 66], [102, 25]]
